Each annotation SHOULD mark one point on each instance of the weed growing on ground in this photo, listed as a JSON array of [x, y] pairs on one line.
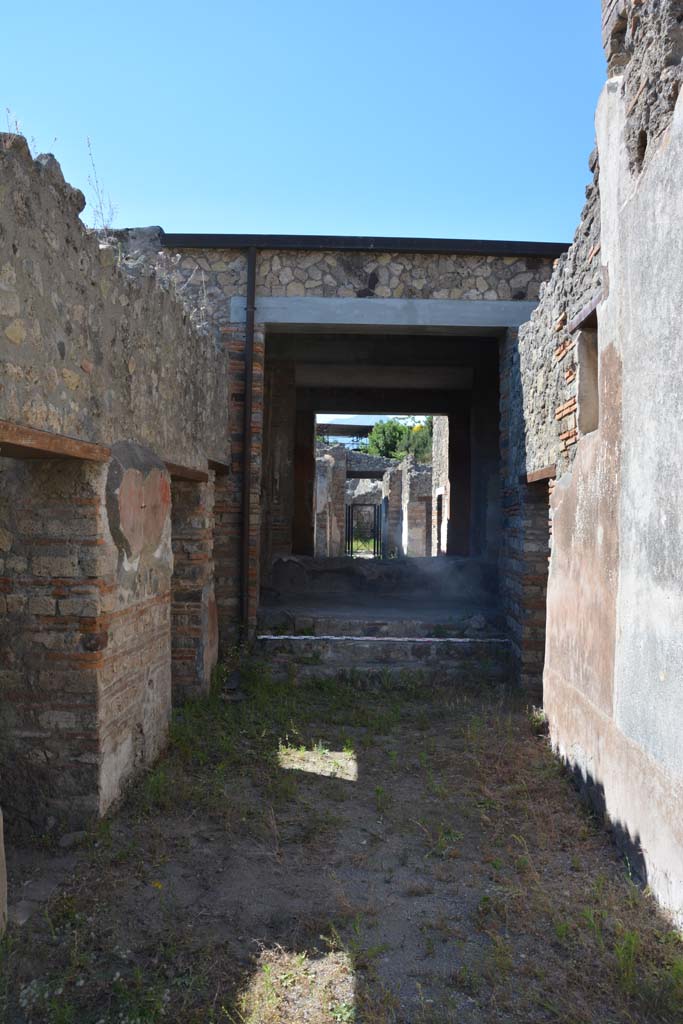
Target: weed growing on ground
[[230, 890]]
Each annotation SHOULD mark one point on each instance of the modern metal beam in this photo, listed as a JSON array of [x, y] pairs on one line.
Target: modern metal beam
[[366, 243], [302, 311]]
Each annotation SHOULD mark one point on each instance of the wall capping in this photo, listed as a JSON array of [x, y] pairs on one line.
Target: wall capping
[[538, 475], [177, 472], [21, 442]]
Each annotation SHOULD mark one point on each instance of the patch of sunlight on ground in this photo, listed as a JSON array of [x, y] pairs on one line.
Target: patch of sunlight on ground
[[334, 764], [288, 988]]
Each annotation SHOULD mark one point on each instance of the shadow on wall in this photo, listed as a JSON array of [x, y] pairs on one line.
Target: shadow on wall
[[629, 846]]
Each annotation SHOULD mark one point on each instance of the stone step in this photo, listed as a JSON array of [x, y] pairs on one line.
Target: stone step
[[276, 622], [385, 658]]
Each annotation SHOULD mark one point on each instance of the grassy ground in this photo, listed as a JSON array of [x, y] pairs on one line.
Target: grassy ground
[[316, 854]]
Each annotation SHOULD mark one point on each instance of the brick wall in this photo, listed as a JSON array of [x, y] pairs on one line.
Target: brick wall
[[277, 485], [525, 539], [53, 585], [229, 519], [194, 622], [85, 635], [107, 351]]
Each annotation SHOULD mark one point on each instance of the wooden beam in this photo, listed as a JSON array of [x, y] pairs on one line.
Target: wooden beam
[[343, 429], [547, 473], [186, 473], [404, 401], [586, 317], [19, 442], [219, 468], [366, 474]]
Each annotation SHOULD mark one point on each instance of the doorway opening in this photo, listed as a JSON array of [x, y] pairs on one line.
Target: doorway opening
[[348, 523], [363, 533]]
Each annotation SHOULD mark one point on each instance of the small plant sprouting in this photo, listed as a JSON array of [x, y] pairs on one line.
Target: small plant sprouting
[[382, 799], [342, 1013], [103, 210], [626, 952], [538, 721], [594, 919]]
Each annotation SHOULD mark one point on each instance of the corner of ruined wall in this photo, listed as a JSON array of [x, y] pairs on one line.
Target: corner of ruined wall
[[120, 354], [95, 344], [643, 41]]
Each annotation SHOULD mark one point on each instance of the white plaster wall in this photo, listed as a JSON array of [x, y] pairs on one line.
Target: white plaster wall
[[629, 741], [643, 241]]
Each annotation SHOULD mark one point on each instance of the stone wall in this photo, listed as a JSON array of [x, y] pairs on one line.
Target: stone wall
[[392, 489], [3, 880], [94, 348], [359, 462], [614, 599], [440, 485], [128, 390], [85, 635], [52, 525], [209, 277], [330, 500], [193, 609], [364, 492], [645, 40], [539, 429], [416, 496]]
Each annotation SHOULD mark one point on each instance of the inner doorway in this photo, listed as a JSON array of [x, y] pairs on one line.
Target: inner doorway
[[363, 530]]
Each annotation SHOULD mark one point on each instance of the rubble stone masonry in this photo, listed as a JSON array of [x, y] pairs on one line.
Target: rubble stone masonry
[[98, 348]]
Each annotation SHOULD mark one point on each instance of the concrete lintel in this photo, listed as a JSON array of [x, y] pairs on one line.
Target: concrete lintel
[[381, 313]]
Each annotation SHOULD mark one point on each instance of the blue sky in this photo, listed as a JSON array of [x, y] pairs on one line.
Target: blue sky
[[442, 118]]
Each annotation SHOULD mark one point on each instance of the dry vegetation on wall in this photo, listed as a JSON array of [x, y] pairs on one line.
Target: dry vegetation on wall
[[311, 854]]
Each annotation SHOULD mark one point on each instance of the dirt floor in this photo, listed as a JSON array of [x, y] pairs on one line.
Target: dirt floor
[[315, 853]]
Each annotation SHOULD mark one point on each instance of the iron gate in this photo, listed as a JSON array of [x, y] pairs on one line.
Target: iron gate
[[361, 538]]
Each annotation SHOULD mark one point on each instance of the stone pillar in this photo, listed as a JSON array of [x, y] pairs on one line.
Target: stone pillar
[[134, 700], [229, 518], [440, 486], [277, 487], [3, 881], [392, 488], [303, 530], [85, 638], [52, 637], [324, 465], [338, 503], [416, 496], [460, 483], [194, 623]]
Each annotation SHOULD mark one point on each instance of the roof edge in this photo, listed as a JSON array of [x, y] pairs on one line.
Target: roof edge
[[366, 243]]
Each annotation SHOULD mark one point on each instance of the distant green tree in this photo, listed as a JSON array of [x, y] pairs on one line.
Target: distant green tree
[[394, 439], [420, 440], [388, 438]]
